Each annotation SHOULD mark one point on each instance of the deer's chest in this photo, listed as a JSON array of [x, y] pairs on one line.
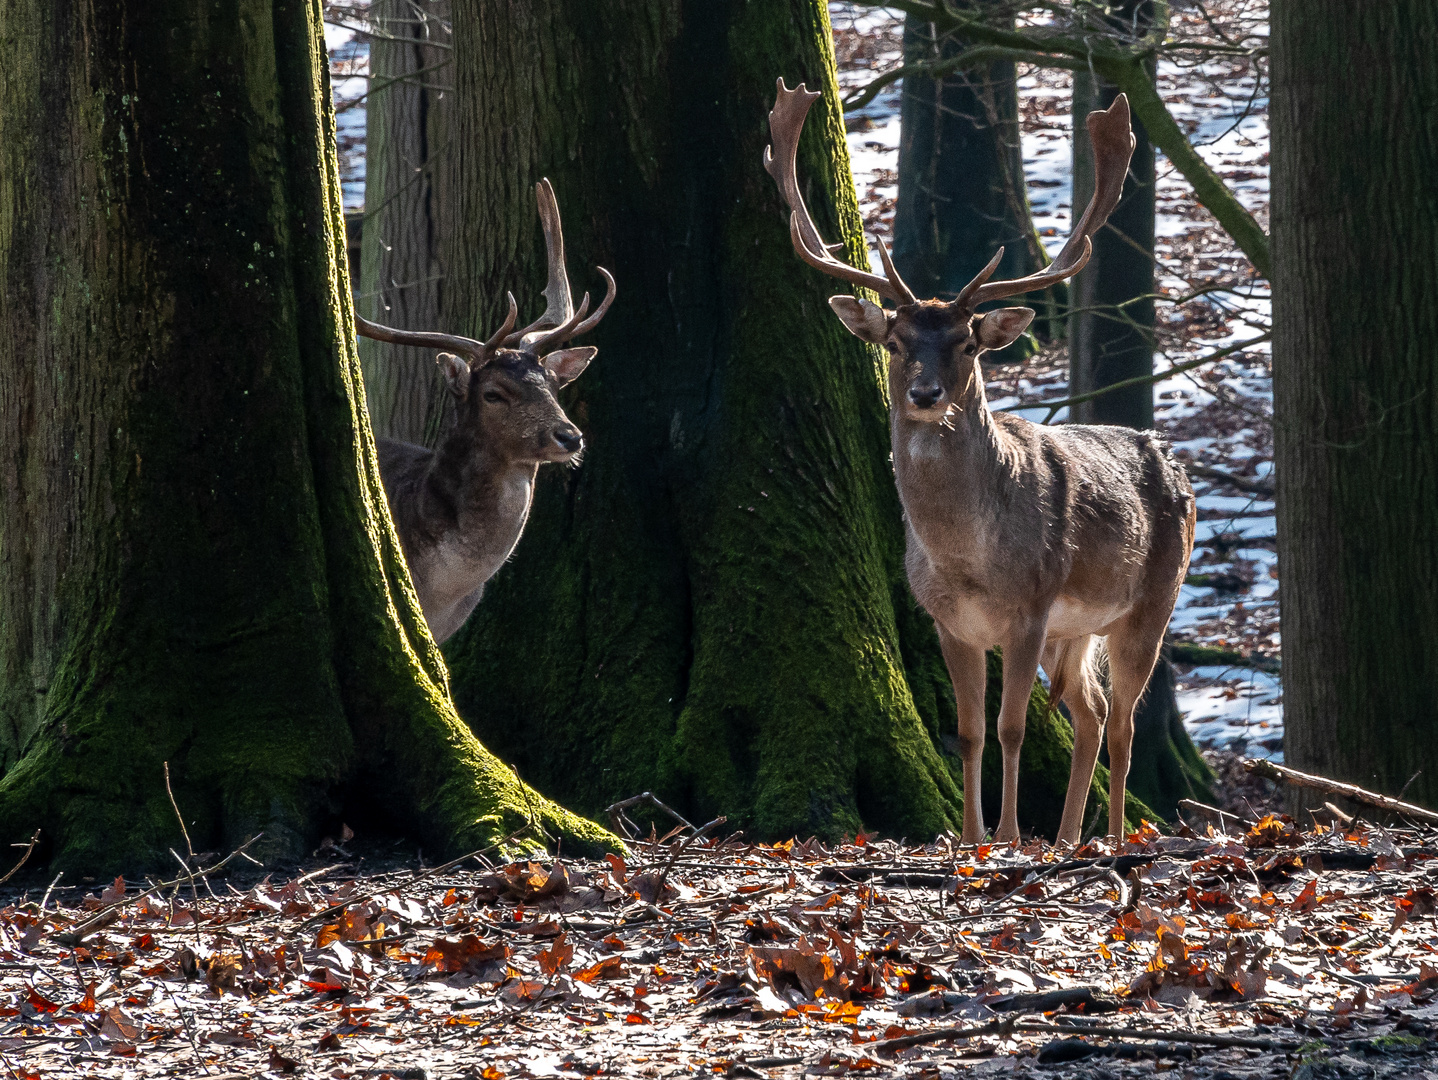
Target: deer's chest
[[959, 594], [511, 511]]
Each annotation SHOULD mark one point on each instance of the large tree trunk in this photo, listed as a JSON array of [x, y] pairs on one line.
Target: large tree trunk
[[196, 562], [1355, 241], [962, 194], [713, 606], [409, 118]]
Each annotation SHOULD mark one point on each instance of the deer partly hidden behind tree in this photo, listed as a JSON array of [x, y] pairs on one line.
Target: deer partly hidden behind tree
[[460, 509], [1039, 540]]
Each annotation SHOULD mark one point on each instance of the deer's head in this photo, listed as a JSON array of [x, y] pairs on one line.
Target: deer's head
[[508, 404], [505, 388], [934, 345]]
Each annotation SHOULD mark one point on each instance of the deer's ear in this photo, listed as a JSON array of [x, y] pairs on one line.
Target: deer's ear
[[455, 372], [995, 329], [566, 365], [864, 319]]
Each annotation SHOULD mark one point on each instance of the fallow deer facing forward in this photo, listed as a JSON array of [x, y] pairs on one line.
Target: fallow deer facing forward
[[1037, 539], [460, 509]]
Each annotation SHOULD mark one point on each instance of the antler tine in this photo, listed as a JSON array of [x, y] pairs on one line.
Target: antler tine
[[610, 290], [982, 276], [558, 301], [477, 350], [1113, 144], [786, 121], [497, 339], [562, 333], [906, 295]]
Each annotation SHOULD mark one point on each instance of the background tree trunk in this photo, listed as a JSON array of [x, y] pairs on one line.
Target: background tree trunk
[[196, 563], [713, 606], [409, 118], [1355, 241], [1110, 334], [1110, 328], [961, 179]]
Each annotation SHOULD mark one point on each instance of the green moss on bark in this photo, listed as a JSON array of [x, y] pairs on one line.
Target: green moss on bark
[[199, 565], [706, 608]]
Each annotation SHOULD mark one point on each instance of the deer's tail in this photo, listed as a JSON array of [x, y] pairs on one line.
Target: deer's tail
[[1078, 669]]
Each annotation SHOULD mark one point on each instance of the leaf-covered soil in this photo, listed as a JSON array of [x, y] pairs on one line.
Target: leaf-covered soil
[[1264, 951]]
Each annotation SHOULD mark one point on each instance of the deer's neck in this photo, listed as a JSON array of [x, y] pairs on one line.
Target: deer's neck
[[950, 475], [486, 499]]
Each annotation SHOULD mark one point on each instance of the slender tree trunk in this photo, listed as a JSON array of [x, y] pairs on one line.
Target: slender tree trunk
[[409, 122], [962, 193], [713, 606], [196, 562], [1355, 242], [1110, 331]]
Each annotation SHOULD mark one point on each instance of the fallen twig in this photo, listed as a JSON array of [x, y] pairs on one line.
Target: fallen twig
[[1164, 1035], [81, 930], [1090, 998], [1283, 774], [923, 1038], [29, 848], [414, 879], [617, 817], [1194, 807], [44, 900], [663, 874], [1059, 1051]]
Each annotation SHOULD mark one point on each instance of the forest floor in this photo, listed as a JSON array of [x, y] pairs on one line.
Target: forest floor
[[1261, 952]]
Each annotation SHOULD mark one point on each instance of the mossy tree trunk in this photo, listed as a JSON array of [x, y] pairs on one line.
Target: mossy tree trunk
[[409, 114], [196, 562], [712, 606], [1355, 366], [1110, 334], [962, 193]]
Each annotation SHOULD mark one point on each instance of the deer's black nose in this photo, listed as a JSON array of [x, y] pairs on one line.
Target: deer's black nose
[[569, 439], [925, 397]]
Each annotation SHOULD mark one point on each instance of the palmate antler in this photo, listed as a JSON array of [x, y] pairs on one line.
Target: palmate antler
[[558, 324], [560, 320], [1113, 144], [786, 120]]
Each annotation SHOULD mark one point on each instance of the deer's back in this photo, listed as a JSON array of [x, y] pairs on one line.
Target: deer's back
[[402, 468], [1084, 520]]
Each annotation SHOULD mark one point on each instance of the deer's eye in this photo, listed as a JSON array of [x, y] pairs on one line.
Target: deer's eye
[[494, 397]]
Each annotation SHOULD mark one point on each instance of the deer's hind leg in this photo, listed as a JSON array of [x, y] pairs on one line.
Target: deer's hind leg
[[1132, 652], [1073, 680]]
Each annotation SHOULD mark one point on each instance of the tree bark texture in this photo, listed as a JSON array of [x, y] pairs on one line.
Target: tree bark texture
[[1110, 335], [1355, 242], [408, 208], [962, 193], [196, 562], [1110, 328], [713, 606]]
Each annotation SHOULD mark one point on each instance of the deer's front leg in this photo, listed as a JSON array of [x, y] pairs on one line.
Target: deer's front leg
[[969, 675], [1021, 666]]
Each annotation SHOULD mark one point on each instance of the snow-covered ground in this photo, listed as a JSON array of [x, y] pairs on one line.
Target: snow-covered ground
[[1218, 416]]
